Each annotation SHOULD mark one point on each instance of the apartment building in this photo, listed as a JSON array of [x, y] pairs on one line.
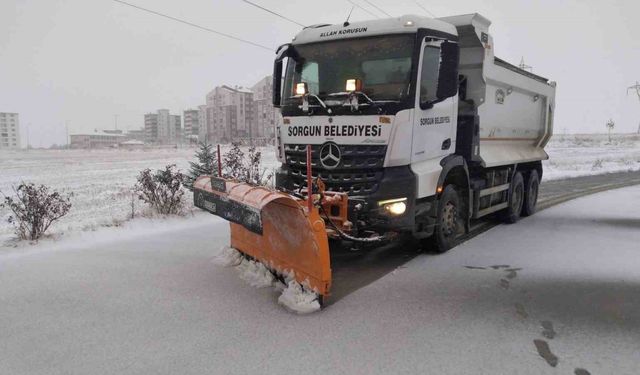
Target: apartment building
[[265, 115], [162, 127], [229, 114], [202, 122], [191, 121], [9, 131], [151, 127]]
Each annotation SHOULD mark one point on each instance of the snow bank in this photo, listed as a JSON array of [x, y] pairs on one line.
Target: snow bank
[[297, 299], [140, 227], [294, 297], [227, 257], [255, 273]]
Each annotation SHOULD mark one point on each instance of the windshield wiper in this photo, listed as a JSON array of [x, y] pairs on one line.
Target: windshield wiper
[[354, 102], [320, 101], [305, 102], [362, 94]]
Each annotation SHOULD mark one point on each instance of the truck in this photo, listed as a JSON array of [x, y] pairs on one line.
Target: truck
[[406, 125], [416, 120]]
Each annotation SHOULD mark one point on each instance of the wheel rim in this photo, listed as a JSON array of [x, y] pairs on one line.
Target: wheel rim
[[449, 219]]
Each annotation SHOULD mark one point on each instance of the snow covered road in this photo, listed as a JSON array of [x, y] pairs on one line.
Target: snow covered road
[[562, 285]]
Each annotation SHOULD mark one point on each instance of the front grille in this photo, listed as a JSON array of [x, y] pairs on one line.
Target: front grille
[[359, 172]]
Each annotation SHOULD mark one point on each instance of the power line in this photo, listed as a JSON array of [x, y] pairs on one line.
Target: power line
[[274, 13], [366, 10], [377, 7], [426, 10], [194, 25]]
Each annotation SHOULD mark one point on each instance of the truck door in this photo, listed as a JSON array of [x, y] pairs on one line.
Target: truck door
[[434, 122]]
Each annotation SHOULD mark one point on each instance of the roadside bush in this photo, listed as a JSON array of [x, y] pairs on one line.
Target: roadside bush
[[245, 167], [34, 209], [206, 164], [597, 164], [162, 189]]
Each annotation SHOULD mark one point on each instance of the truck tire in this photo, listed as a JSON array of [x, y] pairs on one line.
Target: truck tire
[[445, 234], [511, 214], [531, 194]]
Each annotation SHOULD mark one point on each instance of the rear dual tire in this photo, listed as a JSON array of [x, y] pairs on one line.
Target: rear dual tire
[[531, 194], [523, 198], [511, 214]]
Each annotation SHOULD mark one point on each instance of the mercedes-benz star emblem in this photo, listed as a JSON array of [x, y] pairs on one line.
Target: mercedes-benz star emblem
[[330, 155]]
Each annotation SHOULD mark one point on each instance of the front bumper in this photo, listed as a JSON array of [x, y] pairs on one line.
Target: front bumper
[[364, 212]]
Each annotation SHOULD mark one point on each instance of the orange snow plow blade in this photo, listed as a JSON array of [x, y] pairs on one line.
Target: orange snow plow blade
[[272, 227]]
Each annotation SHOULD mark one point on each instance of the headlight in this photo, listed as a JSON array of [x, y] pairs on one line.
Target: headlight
[[394, 207]]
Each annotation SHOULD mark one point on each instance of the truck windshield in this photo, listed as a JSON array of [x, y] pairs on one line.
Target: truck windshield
[[383, 64]]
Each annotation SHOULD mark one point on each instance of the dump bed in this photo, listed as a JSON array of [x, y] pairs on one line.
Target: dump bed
[[515, 106]]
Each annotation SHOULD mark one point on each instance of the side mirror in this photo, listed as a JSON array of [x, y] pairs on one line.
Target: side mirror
[[448, 74], [277, 83], [284, 51]]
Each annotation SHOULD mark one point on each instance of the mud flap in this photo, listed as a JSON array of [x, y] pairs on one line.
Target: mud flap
[[273, 227]]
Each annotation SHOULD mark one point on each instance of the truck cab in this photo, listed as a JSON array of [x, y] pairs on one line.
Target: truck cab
[[415, 119]]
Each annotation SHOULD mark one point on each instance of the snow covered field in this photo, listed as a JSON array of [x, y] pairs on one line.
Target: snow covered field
[[101, 180], [554, 293], [589, 154]]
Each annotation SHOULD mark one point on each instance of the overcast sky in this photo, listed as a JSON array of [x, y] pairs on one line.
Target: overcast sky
[[81, 62]]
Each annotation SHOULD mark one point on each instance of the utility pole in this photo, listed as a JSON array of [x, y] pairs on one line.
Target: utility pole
[[66, 129], [116, 117], [610, 125], [635, 88], [524, 66]]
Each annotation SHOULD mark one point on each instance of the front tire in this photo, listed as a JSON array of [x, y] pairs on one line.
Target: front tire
[[511, 214], [448, 224], [531, 194]]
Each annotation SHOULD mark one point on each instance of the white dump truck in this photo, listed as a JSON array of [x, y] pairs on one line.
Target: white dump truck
[[416, 120], [400, 126]]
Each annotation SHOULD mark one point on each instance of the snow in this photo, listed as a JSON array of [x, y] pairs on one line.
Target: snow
[[101, 180], [132, 229], [132, 142], [297, 299], [294, 297], [590, 154], [147, 299], [227, 257], [255, 274]]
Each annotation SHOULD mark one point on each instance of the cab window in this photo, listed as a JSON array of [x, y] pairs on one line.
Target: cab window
[[429, 74]]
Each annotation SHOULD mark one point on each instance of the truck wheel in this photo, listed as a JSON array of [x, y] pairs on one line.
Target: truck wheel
[[531, 194], [511, 214], [445, 234]]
